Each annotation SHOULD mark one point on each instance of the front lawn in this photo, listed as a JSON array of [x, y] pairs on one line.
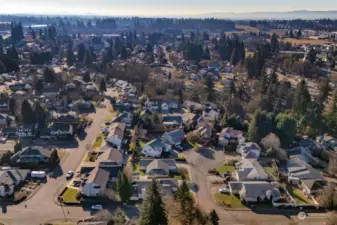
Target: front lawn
[[225, 168], [98, 141], [299, 197], [230, 201], [69, 195], [136, 168]]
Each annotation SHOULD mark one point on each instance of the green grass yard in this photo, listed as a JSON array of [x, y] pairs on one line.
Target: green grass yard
[[98, 141], [299, 197], [69, 196], [225, 168], [230, 201]]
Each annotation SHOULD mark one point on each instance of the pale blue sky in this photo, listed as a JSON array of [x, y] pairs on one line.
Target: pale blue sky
[[158, 7]]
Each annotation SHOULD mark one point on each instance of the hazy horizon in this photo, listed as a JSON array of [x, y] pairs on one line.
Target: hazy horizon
[[158, 7]]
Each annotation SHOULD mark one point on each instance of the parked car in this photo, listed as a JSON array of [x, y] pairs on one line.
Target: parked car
[[224, 190], [69, 175], [97, 207], [3, 140]]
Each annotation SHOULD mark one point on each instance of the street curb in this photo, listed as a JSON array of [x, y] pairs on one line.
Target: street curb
[[34, 192]]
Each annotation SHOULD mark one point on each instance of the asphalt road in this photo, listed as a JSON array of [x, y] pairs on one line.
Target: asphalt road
[[41, 206], [200, 162]]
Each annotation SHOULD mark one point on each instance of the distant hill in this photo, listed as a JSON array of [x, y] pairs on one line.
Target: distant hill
[[300, 14]]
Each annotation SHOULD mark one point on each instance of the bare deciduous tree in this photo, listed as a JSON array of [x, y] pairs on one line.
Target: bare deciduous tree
[[332, 165], [328, 197], [271, 141]]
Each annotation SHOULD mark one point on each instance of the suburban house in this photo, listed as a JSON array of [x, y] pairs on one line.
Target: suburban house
[[210, 113], [67, 119], [158, 167], [125, 117], [5, 120], [4, 105], [192, 106], [34, 154], [174, 138], [310, 187], [27, 130], [254, 191], [204, 129], [116, 134], [190, 120], [61, 130], [250, 170], [304, 153], [249, 150], [167, 188], [155, 148], [11, 178], [299, 170], [172, 121], [104, 170], [229, 134]]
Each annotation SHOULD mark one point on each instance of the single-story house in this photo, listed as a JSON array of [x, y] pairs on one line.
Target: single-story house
[[155, 148], [11, 178], [116, 134], [167, 188], [299, 170], [61, 130], [34, 154], [104, 170], [27, 130], [313, 186], [172, 121], [5, 120], [174, 137], [250, 170], [255, 191], [4, 105], [158, 167], [249, 150], [229, 134]]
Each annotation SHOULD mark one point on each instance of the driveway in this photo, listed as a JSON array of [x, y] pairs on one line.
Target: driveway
[[200, 162], [41, 207]]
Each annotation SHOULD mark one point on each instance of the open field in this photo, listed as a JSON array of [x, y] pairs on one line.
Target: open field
[[305, 41]]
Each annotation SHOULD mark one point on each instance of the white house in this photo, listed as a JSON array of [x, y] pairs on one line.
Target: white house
[[250, 170], [255, 191], [116, 134], [9, 179], [174, 137], [155, 148], [249, 150], [104, 170], [26, 130]]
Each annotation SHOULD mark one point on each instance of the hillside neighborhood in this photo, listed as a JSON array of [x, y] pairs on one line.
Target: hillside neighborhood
[[160, 121]]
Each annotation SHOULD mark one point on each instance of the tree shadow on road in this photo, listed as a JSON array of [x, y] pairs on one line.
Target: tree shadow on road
[[57, 172], [82, 135], [206, 152], [72, 143]]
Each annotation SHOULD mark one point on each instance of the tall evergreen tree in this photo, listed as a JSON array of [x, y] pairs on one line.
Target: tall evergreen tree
[[49, 75], [186, 204], [275, 45], [40, 114], [54, 159], [86, 77], [12, 105], [153, 210], [2, 67], [209, 88], [88, 60], [302, 99], [124, 187], [27, 112], [80, 52], [286, 128], [102, 86], [214, 218], [70, 55], [235, 57]]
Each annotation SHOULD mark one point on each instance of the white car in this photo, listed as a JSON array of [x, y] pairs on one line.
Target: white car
[[70, 174], [224, 190], [97, 207]]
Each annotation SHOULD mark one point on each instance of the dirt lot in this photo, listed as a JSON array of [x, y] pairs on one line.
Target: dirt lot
[[305, 41]]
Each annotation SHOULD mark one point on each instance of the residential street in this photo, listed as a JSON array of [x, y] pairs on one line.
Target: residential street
[[200, 162], [41, 207]]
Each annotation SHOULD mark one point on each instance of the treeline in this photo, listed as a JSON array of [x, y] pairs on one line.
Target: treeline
[[9, 61]]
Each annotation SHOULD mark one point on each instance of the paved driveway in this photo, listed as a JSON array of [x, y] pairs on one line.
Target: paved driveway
[[203, 160], [41, 207]]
